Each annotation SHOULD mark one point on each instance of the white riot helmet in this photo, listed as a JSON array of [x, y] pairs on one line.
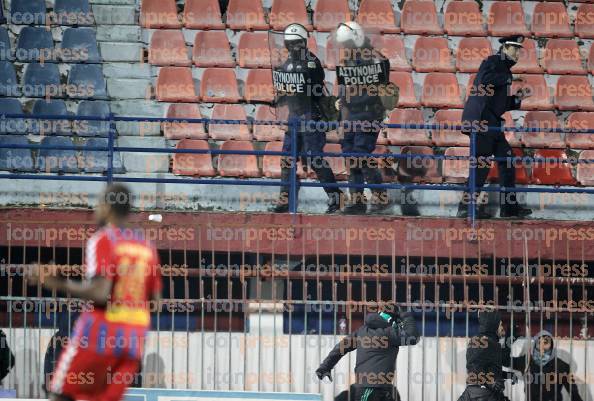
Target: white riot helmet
[[350, 34], [295, 32]]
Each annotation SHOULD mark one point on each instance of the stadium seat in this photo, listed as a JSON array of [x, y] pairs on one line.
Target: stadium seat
[[159, 14], [463, 18], [6, 52], [15, 159], [562, 56], [258, 86], [522, 177], [168, 47], [471, 53], [96, 161], [432, 54], [271, 164], [416, 168], [73, 12], [507, 18], [419, 17], [584, 24], [40, 80], [551, 20], [329, 13], [199, 164], [8, 80], [580, 120], [2, 17], [97, 108], [268, 132], [545, 120], [591, 60], [53, 107], [385, 164], [456, 170], [285, 12], [234, 165], [175, 84], [89, 76], [79, 45], [253, 50], [212, 49], [181, 130], [528, 60], [27, 12], [404, 81], [392, 47], [54, 160], [511, 137], [445, 136], [12, 125], [332, 54], [224, 132], [585, 171], [404, 136], [377, 16], [337, 163], [440, 90], [246, 15], [541, 96], [35, 44], [551, 172], [203, 14], [573, 93], [219, 85]]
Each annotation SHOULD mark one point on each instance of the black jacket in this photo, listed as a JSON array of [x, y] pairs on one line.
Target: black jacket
[[377, 345], [6, 356]]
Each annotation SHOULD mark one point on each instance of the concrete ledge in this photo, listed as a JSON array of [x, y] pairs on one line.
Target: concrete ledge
[[117, 51], [124, 33], [127, 70], [121, 88], [114, 15]]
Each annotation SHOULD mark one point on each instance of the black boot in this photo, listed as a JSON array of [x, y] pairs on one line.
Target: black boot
[[511, 208], [282, 204], [357, 203], [463, 209], [380, 202], [334, 202]]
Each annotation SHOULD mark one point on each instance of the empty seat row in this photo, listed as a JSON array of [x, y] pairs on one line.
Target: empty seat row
[[65, 12]]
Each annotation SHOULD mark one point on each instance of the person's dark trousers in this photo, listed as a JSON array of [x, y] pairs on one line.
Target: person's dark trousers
[[478, 393], [373, 394]]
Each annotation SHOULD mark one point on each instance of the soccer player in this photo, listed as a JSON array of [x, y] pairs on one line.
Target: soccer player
[[122, 276]]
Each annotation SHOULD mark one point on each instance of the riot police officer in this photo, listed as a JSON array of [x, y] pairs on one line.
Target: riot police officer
[[299, 85]]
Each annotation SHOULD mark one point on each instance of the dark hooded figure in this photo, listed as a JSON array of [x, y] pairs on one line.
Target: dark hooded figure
[[377, 343]]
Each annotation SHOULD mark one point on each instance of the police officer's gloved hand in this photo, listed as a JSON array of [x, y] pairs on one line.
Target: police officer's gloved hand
[[321, 373], [497, 387]]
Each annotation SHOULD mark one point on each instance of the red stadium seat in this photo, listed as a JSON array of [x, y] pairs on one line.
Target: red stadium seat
[[441, 90], [385, 164], [337, 164], [404, 81], [285, 12], [507, 18], [580, 120], [446, 136], [463, 18], [180, 130], [585, 171], [212, 49], [199, 164], [551, 172], [471, 53], [258, 86], [522, 177], [456, 170], [224, 132], [562, 56], [168, 47], [541, 96], [219, 85], [253, 50], [156, 14], [234, 165], [591, 60], [246, 15], [203, 14], [329, 13], [528, 61], [404, 136], [392, 47], [551, 20], [268, 132], [175, 84], [419, 17], [584, 21], [511, 137], [377, 16], [432, 54], [544, 120], [418, 169], [271, 164], [573, 93]]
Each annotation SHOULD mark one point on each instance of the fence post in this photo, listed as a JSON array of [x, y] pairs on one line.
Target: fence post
[[110, 142], [293, 183], [472, 178]]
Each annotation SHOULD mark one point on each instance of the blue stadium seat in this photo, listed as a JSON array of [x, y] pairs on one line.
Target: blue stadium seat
[[35, 44], [55, 160], [11, 125], [5, 48], [79, 45], [96, 162], [90, 81], [8, 80], [41, 80], [15, 159], [27, 12], [73, 12], [55, 107], [93, 128]]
